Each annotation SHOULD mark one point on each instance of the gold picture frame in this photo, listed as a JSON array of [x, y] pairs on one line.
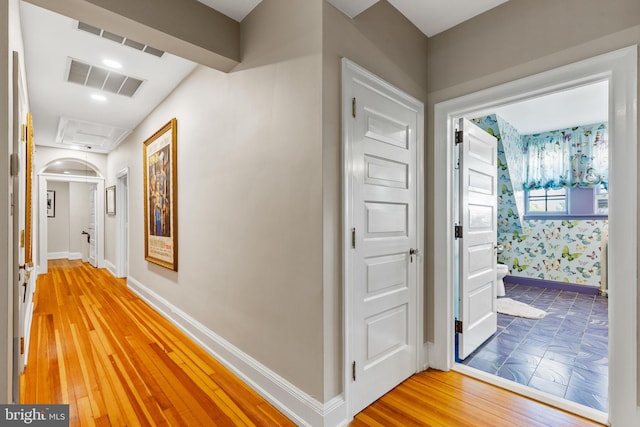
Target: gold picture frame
[[28, 250], [161, 197]]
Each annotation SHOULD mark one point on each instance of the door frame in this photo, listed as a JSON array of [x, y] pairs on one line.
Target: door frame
[[122, 218], [351, 71], [43, 179], [620, 69]]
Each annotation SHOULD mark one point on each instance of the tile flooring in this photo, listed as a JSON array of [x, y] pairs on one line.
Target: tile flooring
[[564, 354]]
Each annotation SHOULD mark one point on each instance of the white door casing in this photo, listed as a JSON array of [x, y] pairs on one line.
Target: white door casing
[[383, 143], [479, 222], [122, 221]]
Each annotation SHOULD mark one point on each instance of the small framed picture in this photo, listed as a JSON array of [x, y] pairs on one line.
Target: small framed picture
[[51, 203], [111, 200]]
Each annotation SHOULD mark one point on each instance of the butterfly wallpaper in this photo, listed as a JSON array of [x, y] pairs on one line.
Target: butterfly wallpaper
[[559, 250]]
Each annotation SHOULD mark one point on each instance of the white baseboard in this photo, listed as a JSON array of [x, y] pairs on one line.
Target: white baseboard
[[300, 407], [109, 266], [75, 255], [58, 255]]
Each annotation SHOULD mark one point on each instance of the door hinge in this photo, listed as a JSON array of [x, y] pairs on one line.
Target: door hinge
[[458, 327], [353, 107], [353, 238], [353, 370], [14, 164], [21, 345], [459, 137], [458, 232]]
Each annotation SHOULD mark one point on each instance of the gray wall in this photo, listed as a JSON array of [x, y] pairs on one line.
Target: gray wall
[[249, 194], [58, 226]]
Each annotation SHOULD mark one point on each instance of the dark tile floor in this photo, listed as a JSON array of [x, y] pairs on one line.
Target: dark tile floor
[[564, 354]]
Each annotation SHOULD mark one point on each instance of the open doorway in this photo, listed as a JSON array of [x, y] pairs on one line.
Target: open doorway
[[551, 328], [619, 70], [69, 205]]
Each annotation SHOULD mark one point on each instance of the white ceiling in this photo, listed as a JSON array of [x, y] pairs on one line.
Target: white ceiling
[[50, 40], [561, 110], [430, 16]]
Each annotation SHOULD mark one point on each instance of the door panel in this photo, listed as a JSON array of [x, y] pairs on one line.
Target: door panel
[[478, 217], [383, 290]]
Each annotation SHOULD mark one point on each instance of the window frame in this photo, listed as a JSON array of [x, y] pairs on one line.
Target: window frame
[[570, 212]]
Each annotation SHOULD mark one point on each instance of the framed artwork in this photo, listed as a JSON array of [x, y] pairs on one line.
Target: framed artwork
[[28, 251], [51, 203], [160, 197], [111, 200]]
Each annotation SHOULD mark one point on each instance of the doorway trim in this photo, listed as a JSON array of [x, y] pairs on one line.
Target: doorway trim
[[620, 69], [350, 71], [122, 218], [43, 179]]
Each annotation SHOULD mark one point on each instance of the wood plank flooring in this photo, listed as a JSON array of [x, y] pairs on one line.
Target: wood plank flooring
[[96, 346], [448, 399]]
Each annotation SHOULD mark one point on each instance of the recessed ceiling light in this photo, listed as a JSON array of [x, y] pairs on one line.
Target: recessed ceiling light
[[98, 97], [111, 63], [67, 172]]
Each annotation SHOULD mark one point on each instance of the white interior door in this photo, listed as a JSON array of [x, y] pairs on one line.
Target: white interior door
[[382, 138], [92, 225], [478, 221]]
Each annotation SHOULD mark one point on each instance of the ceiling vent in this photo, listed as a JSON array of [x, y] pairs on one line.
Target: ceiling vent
[[103, 79], [120, 40], [88, 134]]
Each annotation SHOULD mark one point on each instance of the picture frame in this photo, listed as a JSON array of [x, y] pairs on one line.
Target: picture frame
[[110, 195], [51, 204], [160, 197], [28, 250]]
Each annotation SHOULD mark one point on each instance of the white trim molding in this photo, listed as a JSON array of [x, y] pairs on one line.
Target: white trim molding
[[111, 267], [299, 406], [620, 69], [58, 255]]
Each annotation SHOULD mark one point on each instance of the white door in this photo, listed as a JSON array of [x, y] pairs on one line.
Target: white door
[[382, 137], [478, 221], [92, 225]]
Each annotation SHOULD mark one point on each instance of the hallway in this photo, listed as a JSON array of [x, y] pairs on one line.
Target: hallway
[[100, 348]]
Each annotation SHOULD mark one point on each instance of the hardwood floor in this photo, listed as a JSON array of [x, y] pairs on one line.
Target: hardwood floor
[[96, 346], [448, 399]]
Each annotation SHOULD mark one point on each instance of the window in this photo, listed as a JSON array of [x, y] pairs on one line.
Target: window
[[547, 201], [567, 202]]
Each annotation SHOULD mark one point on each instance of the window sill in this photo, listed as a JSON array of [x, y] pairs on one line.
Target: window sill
[[564, 216]]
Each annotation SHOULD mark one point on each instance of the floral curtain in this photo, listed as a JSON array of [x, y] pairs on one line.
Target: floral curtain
[[576, 157]]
